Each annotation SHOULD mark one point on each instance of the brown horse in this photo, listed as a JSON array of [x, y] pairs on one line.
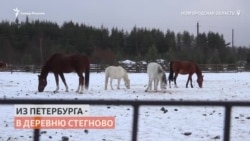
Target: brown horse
[[3, 65], [185, 67], [61, 63]]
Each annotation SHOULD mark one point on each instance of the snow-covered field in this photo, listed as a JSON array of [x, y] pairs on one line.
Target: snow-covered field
[[156, 123]]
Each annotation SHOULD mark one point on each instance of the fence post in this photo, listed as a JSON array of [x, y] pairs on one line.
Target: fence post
[[227, 122], [36, 134], [135, 122]]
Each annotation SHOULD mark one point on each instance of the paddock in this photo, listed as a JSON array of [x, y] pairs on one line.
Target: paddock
[[161, 122]]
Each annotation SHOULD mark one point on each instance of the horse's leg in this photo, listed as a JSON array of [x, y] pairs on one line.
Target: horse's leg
[[81, 83], [118, 83], [149, 85], [64, 81], [156, 82], [189, 79], [106, 82], [111, 79], [175, 77], [57, 82], [78, 88], [191, 82], [187, 82]]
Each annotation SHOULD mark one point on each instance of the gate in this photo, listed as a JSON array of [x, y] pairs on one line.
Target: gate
[[136, 105]]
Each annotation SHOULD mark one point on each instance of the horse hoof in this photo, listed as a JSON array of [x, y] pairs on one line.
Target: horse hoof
[[79, 92]]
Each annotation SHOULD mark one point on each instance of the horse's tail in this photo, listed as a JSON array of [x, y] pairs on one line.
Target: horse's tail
[[171, 73], [87, 75]]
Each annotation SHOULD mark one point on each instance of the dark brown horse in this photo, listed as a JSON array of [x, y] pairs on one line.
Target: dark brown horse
[[61, 63], [3, 65], [185, 67]]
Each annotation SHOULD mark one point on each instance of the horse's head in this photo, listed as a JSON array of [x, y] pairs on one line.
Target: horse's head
[[127, 83], [163, 81], [126, 80], [42, 82], [200, 80]]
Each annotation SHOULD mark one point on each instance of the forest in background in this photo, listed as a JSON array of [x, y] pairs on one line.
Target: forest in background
[[32, 42]]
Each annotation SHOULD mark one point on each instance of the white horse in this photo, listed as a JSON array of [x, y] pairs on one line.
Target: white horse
[[116, 72], [156, 74]]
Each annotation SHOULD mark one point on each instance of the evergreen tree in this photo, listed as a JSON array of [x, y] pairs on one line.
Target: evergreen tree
[[21, 43], [151, 53]]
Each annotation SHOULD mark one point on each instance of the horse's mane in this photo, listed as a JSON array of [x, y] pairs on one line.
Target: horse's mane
[[125, 73], [46, 66], [198, 70]]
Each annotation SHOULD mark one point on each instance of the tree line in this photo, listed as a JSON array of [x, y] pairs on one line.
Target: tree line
[[31, 42]]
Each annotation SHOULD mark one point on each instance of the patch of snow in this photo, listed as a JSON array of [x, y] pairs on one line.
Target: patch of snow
[[172, 123]]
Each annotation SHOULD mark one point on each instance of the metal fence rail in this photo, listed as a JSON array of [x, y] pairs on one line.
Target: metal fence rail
[[136, 104], [139, 68]]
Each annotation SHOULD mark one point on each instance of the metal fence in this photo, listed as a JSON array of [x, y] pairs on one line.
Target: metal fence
[[204, 67], [136, 107], [140, 68]]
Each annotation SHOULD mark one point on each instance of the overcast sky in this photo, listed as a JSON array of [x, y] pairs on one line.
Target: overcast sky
[[177, 15]]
